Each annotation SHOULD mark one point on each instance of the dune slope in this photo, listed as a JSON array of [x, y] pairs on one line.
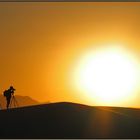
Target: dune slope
[[69, 120]]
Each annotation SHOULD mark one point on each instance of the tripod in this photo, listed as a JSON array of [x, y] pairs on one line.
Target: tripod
[[14, 101]]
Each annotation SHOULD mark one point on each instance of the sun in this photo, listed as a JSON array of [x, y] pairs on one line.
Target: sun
[[109, 75]]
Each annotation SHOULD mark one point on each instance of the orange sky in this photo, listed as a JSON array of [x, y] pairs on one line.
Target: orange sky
[[40, 42]]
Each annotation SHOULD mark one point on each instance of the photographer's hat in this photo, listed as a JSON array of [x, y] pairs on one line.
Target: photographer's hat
[[11, 87]]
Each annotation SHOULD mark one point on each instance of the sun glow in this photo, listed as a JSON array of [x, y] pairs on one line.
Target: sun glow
[[107, 75]]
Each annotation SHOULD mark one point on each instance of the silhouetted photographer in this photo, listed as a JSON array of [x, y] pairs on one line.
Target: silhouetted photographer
[[8, 94]]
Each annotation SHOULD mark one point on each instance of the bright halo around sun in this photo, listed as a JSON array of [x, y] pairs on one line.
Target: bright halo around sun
[[108, 75]]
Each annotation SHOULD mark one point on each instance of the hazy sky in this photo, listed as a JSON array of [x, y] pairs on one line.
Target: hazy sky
[[40, 42]]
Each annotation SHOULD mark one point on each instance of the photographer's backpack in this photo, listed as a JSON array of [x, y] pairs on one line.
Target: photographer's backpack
[[5, 93]]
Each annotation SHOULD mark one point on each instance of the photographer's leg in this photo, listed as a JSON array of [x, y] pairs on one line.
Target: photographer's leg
[[8, 102]]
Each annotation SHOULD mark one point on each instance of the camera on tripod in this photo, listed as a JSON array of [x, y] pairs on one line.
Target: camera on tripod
[[9, 94], [12, 89]]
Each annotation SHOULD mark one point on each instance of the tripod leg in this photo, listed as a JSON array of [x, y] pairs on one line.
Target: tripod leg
[[10, 104], [16, 102], [13, 101]]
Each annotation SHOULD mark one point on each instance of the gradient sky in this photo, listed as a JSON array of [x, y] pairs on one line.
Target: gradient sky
[[39, 43]]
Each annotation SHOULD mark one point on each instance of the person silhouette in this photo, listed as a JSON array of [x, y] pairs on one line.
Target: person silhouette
[[8, 94]]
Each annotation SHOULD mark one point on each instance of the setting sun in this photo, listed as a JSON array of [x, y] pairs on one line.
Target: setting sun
[[69, 69], [85, 53], [109, 75]]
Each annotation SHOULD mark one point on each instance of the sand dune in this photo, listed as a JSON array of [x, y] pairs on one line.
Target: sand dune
[[70, 120]]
